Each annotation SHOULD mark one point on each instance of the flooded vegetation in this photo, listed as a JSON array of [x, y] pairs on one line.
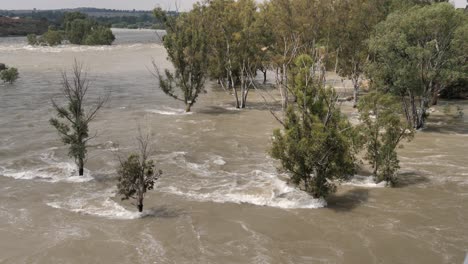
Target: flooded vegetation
[[300, 164]]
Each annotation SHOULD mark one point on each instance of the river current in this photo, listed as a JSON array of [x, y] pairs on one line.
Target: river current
[[220, 199]]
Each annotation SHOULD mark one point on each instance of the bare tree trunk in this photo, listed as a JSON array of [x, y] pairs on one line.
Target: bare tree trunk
[[140, 205], [355, 91], [188, 108], [264, 76], [80, 167], [336, 61], [284, 87], [414, 112], [421, 118], [242, 104]]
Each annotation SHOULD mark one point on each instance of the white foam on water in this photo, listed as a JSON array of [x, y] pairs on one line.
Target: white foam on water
[[364, 181], [218, 160], [169, 111], [72, 48], [149, 249], [263, 189], [232, 108], [97, 204], [257, 187], [53, 171]]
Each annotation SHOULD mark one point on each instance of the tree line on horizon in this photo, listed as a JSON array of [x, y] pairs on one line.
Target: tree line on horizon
[[77, 28]]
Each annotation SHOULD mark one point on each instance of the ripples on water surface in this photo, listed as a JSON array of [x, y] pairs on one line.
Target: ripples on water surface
[[220, 199]]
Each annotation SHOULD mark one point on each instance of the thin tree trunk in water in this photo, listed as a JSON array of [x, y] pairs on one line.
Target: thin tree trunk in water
[[422, 114], [414, 112], [355, 92], [81, 167], [235, 95], [264, 76], [188, 107], [242, 104], [336, 61], [284, 79], [140, 205], [435, 95]]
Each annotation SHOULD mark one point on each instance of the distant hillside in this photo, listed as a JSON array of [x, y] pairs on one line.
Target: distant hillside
[[96, 12], [21, 27], [112, 17]]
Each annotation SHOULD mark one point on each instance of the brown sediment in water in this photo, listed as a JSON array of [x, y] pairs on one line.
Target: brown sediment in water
[[220, 199]]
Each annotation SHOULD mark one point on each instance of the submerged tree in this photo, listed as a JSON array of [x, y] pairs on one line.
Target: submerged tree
[[316, 144], [185, 43], [417, 53], [355, 21], [73, 119], [383, 128], [9, 75], [137, 174]]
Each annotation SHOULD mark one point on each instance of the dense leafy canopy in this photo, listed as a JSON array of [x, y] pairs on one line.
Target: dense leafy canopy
[[316, 143], [417, 53]]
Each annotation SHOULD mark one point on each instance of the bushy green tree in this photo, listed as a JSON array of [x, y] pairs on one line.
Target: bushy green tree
[[51, 38], [235, 43], [32, 39], [186, 45], [9, 75], [383, 129], [100, 35], [78, 29], [137, 174], [355, 21], [73, 119], [315, 145], [82, 30], [417, 53]]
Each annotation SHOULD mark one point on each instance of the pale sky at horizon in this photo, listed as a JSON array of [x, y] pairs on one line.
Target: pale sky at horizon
[[109, 4]]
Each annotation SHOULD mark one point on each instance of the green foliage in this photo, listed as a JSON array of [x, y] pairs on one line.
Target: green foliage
[[186, 47], [9, 75], [353, 24], [32, 39], [82, 30], [316, 145], [78, 29], [383, 128], [136, 177], [100, 36], [416, 53], [235, 45], [51, 38]]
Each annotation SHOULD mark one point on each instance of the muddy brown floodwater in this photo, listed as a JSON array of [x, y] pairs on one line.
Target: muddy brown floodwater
[[220, 199]]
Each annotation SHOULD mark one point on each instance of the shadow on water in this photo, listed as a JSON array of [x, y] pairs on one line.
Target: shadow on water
[[162, 212], [410, 178], [216, 110], [348, 201], [446, 125]]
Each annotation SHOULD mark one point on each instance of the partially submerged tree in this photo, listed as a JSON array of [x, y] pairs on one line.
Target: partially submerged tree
[[72, 122], [9, 75], [355, 21], [315, 145], [185, 43], [417, 53], [383, 128], [137, 174]]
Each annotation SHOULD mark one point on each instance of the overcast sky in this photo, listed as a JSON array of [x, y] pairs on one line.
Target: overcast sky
[[110, 4]]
